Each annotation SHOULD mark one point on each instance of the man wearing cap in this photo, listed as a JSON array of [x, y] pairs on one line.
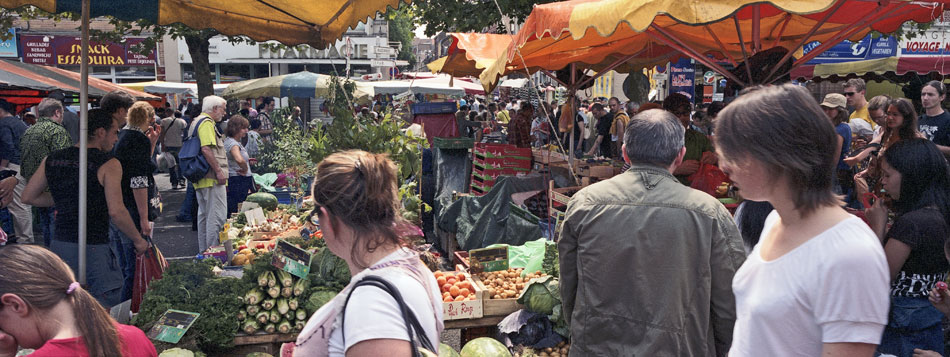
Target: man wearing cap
[[11, 130]]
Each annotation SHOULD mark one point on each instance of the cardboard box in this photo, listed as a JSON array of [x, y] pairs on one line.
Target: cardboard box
[[457, 310]]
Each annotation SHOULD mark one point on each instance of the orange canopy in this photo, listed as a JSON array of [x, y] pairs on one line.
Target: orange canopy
[[591, 31], [470, 53]]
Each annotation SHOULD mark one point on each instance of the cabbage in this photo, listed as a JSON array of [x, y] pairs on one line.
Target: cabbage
[[541, 295]]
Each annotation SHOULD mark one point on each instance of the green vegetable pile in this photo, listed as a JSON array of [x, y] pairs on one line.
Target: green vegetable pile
[[192, 286], [281, 303], [543, 295]]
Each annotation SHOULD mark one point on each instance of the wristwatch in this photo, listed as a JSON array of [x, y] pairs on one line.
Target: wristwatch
[[7, 173]]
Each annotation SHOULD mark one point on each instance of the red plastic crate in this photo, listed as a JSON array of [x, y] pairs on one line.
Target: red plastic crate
[[502, 163], [502, 150]]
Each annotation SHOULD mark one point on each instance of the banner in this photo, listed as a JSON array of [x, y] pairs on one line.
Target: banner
[[847, 51], [50, 50], [682, 78]]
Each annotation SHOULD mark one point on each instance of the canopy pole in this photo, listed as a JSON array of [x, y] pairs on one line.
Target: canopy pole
[[847, 32], [554, 77], [788, 18], [722, 48], [679, 46], [756, 29], [571, 100], [805, 39], [745, 55], [83, 139]]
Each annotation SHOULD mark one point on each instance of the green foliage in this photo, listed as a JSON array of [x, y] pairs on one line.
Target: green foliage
[[289, 148], [550, 265], [401, 29], [192, 286], [459, 15]]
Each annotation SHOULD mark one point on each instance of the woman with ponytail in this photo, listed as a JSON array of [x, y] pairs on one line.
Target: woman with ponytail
[[357, 203], [42, 307]]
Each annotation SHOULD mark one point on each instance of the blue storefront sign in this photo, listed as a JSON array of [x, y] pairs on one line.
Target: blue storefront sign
[[8, 48], [847, 51], [682, 78]]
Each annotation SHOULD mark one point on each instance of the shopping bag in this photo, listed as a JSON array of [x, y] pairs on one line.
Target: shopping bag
[[148, 267], [708, 178]]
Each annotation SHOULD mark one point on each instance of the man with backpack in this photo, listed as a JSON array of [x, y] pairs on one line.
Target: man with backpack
[[210, 187]]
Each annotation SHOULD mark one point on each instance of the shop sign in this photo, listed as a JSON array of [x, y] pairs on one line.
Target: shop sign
[[682, 78], [8, 48], [67, 51], [934, 42], [846, 51]]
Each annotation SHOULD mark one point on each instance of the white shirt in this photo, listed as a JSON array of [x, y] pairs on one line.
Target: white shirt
[[373, 314], [833, 288]]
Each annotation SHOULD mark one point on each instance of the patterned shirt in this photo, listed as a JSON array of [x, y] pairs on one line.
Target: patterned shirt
[[38, 141], [519, 132], [266, 124]]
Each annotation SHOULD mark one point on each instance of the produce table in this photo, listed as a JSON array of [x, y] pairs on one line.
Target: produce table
[[487, 321], [270, 344]]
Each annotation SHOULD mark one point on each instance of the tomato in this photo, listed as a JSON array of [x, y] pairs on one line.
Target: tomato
[[242, 247]]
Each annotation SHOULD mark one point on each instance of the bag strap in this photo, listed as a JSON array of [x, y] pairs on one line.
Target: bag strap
[[412, 323], [194, 131]]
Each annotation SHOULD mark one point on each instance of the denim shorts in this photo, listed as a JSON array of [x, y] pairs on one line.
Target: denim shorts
[[912, 323], [103, 276]]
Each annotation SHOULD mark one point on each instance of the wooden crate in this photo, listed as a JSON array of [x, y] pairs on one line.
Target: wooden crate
[[496, 307], [460, 310]]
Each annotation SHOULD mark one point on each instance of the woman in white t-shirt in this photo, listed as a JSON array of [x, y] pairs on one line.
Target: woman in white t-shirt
[[358, 208], [817, 282]]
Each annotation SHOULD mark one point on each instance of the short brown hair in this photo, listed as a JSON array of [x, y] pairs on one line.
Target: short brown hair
[[235, 124], [879, 102], [857, 83], [359, 189], [800, 143]]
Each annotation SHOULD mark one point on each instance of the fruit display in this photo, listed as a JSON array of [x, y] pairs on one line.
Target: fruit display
[[506, 284], [455, 286], [561, 350]]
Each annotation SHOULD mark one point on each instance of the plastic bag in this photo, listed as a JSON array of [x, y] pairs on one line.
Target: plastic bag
[[148, 266], [708, 178]]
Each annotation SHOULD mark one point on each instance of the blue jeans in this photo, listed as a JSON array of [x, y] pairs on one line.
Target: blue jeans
[[912, 323], [185, 212], [126, 256], [103, 277], [47, 218]]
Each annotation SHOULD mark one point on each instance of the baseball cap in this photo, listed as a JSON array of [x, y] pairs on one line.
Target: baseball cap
[[835, 100]]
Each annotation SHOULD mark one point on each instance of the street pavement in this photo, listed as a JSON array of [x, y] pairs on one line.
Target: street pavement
[[176, 240]]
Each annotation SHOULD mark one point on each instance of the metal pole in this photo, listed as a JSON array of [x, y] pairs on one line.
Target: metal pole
[[83, 139]]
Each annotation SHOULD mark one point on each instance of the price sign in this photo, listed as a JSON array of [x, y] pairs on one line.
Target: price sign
[[172, 325], [291, 259], [488, 259]]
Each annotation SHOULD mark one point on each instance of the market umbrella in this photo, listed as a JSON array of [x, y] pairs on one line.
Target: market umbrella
[[295, 85], [39, 77], [888, 67], [470, 53], [733, 29], [421, 86], [162, 87], [291, 22]]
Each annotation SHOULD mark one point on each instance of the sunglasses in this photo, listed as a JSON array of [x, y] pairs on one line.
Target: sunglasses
[[848, 94]]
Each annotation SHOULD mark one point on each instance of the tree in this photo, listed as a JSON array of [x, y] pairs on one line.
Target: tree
[[198, 42], [469, 16], [401, 29]]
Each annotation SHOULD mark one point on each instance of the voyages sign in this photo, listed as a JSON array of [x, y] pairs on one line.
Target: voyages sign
[[67, 51]]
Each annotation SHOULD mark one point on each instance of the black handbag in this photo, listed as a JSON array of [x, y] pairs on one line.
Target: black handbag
[[412, 323]]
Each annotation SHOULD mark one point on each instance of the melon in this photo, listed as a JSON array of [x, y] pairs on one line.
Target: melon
[[447, 351], [484, 347], [265, 200]]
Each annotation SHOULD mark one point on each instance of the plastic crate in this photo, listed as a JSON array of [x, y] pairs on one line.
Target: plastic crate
[[453, 143], [492, 174], [434, 108], [284, 196], [502, 163], [502, 150]]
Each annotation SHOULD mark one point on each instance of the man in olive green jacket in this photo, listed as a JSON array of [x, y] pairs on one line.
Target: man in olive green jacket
[[647, 263]]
